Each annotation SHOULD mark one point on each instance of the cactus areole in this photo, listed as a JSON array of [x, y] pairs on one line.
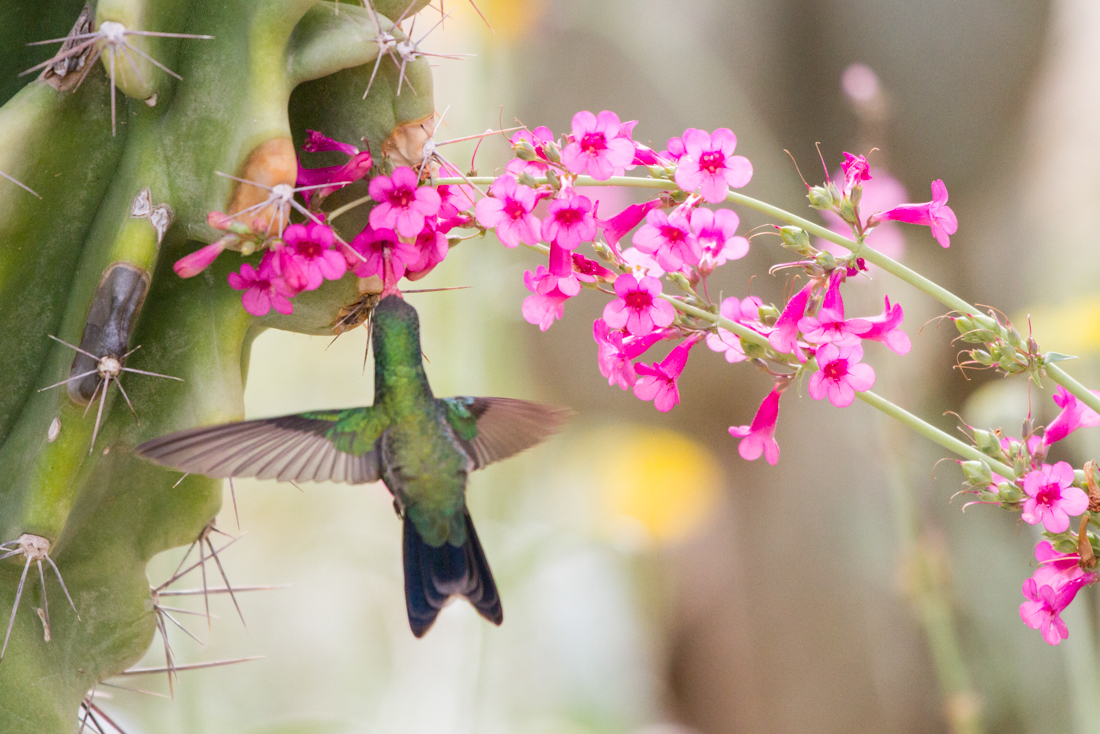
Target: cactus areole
[[149, 116]]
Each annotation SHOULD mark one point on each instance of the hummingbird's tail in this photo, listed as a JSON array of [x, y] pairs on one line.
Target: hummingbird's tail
[[434, 575]]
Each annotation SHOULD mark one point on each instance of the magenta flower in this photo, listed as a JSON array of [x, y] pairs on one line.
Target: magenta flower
[[454, 199], [595, 147], [784, 337], [669, 239], [709, 165], [615, 228], [935, 214], [884, 329], [726, 341], [638, 307], [1074, 415], [658, 381], [841, 375], [716, 233], [191, 265], [830, 327], [569, 221], [508, 209], [308, 258], [640, 263], [547, 304], [559, 276], [589, 271], [385, 255], [403, 205], [675, 149], [882, 192], [357, 167], [617, 350], [1055, 569], [263, 289], [433, 248], [759, 437], [1052, 498], [856, 171], [540, 139], [1044, 605]]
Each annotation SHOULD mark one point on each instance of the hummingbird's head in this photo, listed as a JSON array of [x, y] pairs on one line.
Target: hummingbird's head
[[395, 307], [393, 315]]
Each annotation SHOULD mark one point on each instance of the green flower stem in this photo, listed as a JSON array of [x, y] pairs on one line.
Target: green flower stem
[[922, 427], [872, 256]]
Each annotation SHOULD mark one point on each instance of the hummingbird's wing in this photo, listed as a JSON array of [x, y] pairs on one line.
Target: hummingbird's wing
[[319, 446], [491, 429]]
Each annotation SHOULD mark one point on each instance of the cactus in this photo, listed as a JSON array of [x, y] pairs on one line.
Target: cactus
[[120, 184]]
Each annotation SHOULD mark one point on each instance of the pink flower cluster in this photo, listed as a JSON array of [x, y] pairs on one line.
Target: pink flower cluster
[[406, 235], [1051, 589]]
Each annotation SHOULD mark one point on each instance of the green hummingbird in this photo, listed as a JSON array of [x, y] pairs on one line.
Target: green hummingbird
[[421, 446]]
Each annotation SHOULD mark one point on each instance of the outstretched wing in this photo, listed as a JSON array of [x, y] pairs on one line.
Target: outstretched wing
[[327, 445], [491, 429]]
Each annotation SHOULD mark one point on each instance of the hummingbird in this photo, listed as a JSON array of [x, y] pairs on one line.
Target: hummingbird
[[422, 448]]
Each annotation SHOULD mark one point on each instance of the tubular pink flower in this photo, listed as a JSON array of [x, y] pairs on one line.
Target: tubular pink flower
[[716, 233], [726, 341], [1055, 569], [508, 209], [547, 304], [615, 228], [935, 214], [386, 256], [638, 307], [675, 149], [617, 350], [639, 262], [856, 171], [589, 271], [658, 381], [669, 239], [841, 375], [1045, 603], [709, 165], [358, 165], [884, 329], [308, 258], [759, 437], [830, 327], [569, 221], [784, 337], [882, 192], [540, 138], [403, 205], [595, 147], [191, 265], [454, 199], [433, 248], [559, 276], [1052, 498], [263, 289], [1074, 415]]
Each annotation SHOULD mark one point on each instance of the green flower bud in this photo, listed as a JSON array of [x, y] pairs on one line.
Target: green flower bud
[[819, 197], [988, 443], [826, 260], [977, 473]]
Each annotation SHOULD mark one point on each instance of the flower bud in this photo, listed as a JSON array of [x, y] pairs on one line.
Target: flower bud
[[553, 180], [981, 357], [768, 314], [552, 152], [977, 473], [527, 180], [826, 260], [1009, 492], [796, 239], [819, 198], [753, 350], [988, 444], [847, 210], [1021, 464], [856, 195], [680, 280], [525, 151]]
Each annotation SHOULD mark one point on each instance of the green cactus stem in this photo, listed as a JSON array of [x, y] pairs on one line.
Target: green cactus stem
[[229, 87]]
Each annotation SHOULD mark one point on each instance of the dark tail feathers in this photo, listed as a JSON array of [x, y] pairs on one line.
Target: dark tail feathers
[[434, 575]]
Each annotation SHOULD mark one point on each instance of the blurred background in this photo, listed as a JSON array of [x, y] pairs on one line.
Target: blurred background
[[652, 581]]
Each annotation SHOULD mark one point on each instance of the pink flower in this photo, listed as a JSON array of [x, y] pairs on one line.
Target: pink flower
[[403, 205], [841, 375], [263, 289], [589, 271], [433, 248], [357, 167], [1074, 415], [759, 437], [658, 381], [638, 307], [454, 199], [884, 329], [191, 265], [716, 233], [615, 228], [1056, 569], [569, 222], [675, 150], [1044, 605], [740, 312], [784, 337], [669, 239], [508, 209], [639, 262], [547, 304], [539, 139], [935, 214], [1052, 498], [709, 164], [830, 326], [856, 171], [386, 256], [308, 258], [617, 350], [559, 276], [595, 147]]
